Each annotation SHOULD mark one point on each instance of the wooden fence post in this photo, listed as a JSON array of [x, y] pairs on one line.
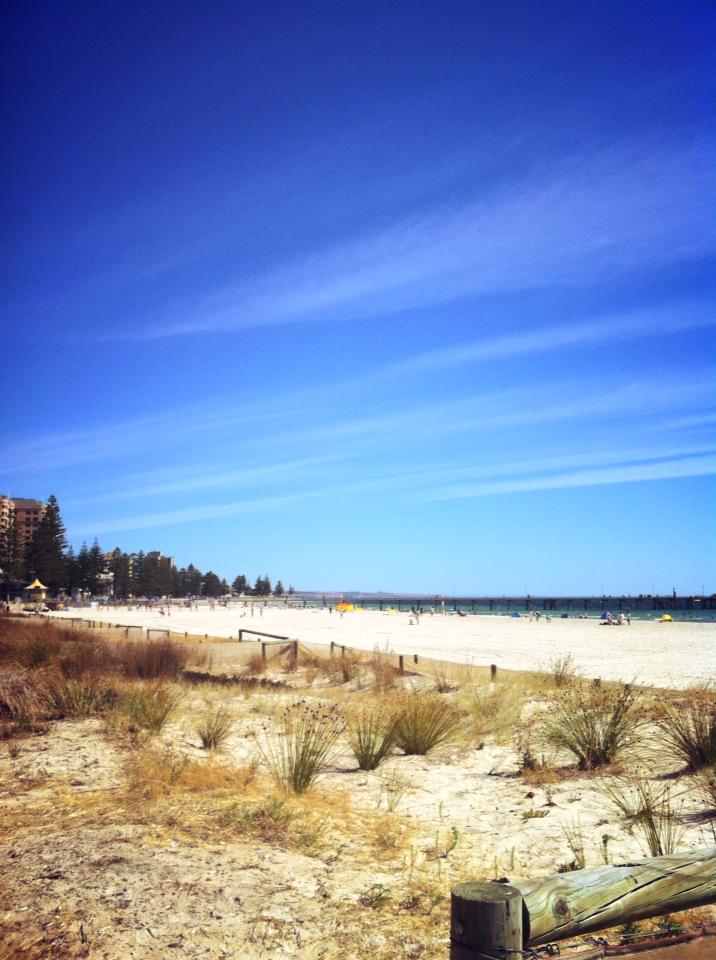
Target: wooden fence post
[[486, 921], [263, 651], [493, 671], [415, 658], [401, 664], [569, 905]]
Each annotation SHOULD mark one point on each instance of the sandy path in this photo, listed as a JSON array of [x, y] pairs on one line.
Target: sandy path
[[648, 652]]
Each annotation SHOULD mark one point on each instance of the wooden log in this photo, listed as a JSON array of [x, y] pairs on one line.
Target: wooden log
[[573, 904], [486, 921]]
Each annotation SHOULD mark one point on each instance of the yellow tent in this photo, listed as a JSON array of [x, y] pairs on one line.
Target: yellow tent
[[666, 618], [36, 585]]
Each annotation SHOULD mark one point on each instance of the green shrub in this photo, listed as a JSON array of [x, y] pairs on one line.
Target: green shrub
[[423, 721]]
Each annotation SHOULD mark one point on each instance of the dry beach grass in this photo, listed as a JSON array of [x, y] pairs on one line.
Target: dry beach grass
[[140, 817]]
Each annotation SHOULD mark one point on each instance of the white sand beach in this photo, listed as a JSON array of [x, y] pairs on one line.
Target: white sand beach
[[647, 652]]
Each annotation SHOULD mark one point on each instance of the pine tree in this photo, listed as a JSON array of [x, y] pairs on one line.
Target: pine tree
[[73, 571], [278, 589], [97, 567], [120, 567], [11, 557], [212, 585], [194, 580], [46, 551], [83, 567], [240, 584], [139, 580]]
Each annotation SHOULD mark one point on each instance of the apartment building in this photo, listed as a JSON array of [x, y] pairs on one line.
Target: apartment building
[[27, 513]]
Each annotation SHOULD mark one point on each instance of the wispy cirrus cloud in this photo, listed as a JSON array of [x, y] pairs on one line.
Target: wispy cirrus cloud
[[627, 209], [623, 473], [610, 328], [326, 422], [405, 486]]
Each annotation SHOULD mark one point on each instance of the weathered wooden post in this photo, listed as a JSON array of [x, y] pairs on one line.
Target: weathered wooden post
[[486, 922], [495, 920], [263, 651], [597, 683], [493, 671], [331, 648], [401, 664], [415, 658]]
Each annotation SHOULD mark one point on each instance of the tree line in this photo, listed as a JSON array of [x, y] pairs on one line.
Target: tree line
[[49, 558]]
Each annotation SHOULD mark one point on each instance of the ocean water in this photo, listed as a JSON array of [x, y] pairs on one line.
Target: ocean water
[[507, 609]]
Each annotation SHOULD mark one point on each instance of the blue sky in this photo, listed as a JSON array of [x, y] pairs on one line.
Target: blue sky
[[407, 296]]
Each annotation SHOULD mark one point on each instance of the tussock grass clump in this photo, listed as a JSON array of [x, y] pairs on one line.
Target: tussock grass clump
[[423, 721], [146, 706], [706, 787], [214, 727], [563, 669], [255, 664], [23, 700], [371, 734], [444, 679], [384, 672], [595, 725], [276, 820], [574, 836], [648, 809], [687, 729], [84, 696], [156, 774], [341, 669], [269, 819], [494, 709], [297, 757], [144, 660]]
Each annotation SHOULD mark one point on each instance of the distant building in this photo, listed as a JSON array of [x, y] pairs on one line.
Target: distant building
[[27, 513]]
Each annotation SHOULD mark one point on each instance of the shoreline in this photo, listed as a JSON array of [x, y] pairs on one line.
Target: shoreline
[[672, 655]]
